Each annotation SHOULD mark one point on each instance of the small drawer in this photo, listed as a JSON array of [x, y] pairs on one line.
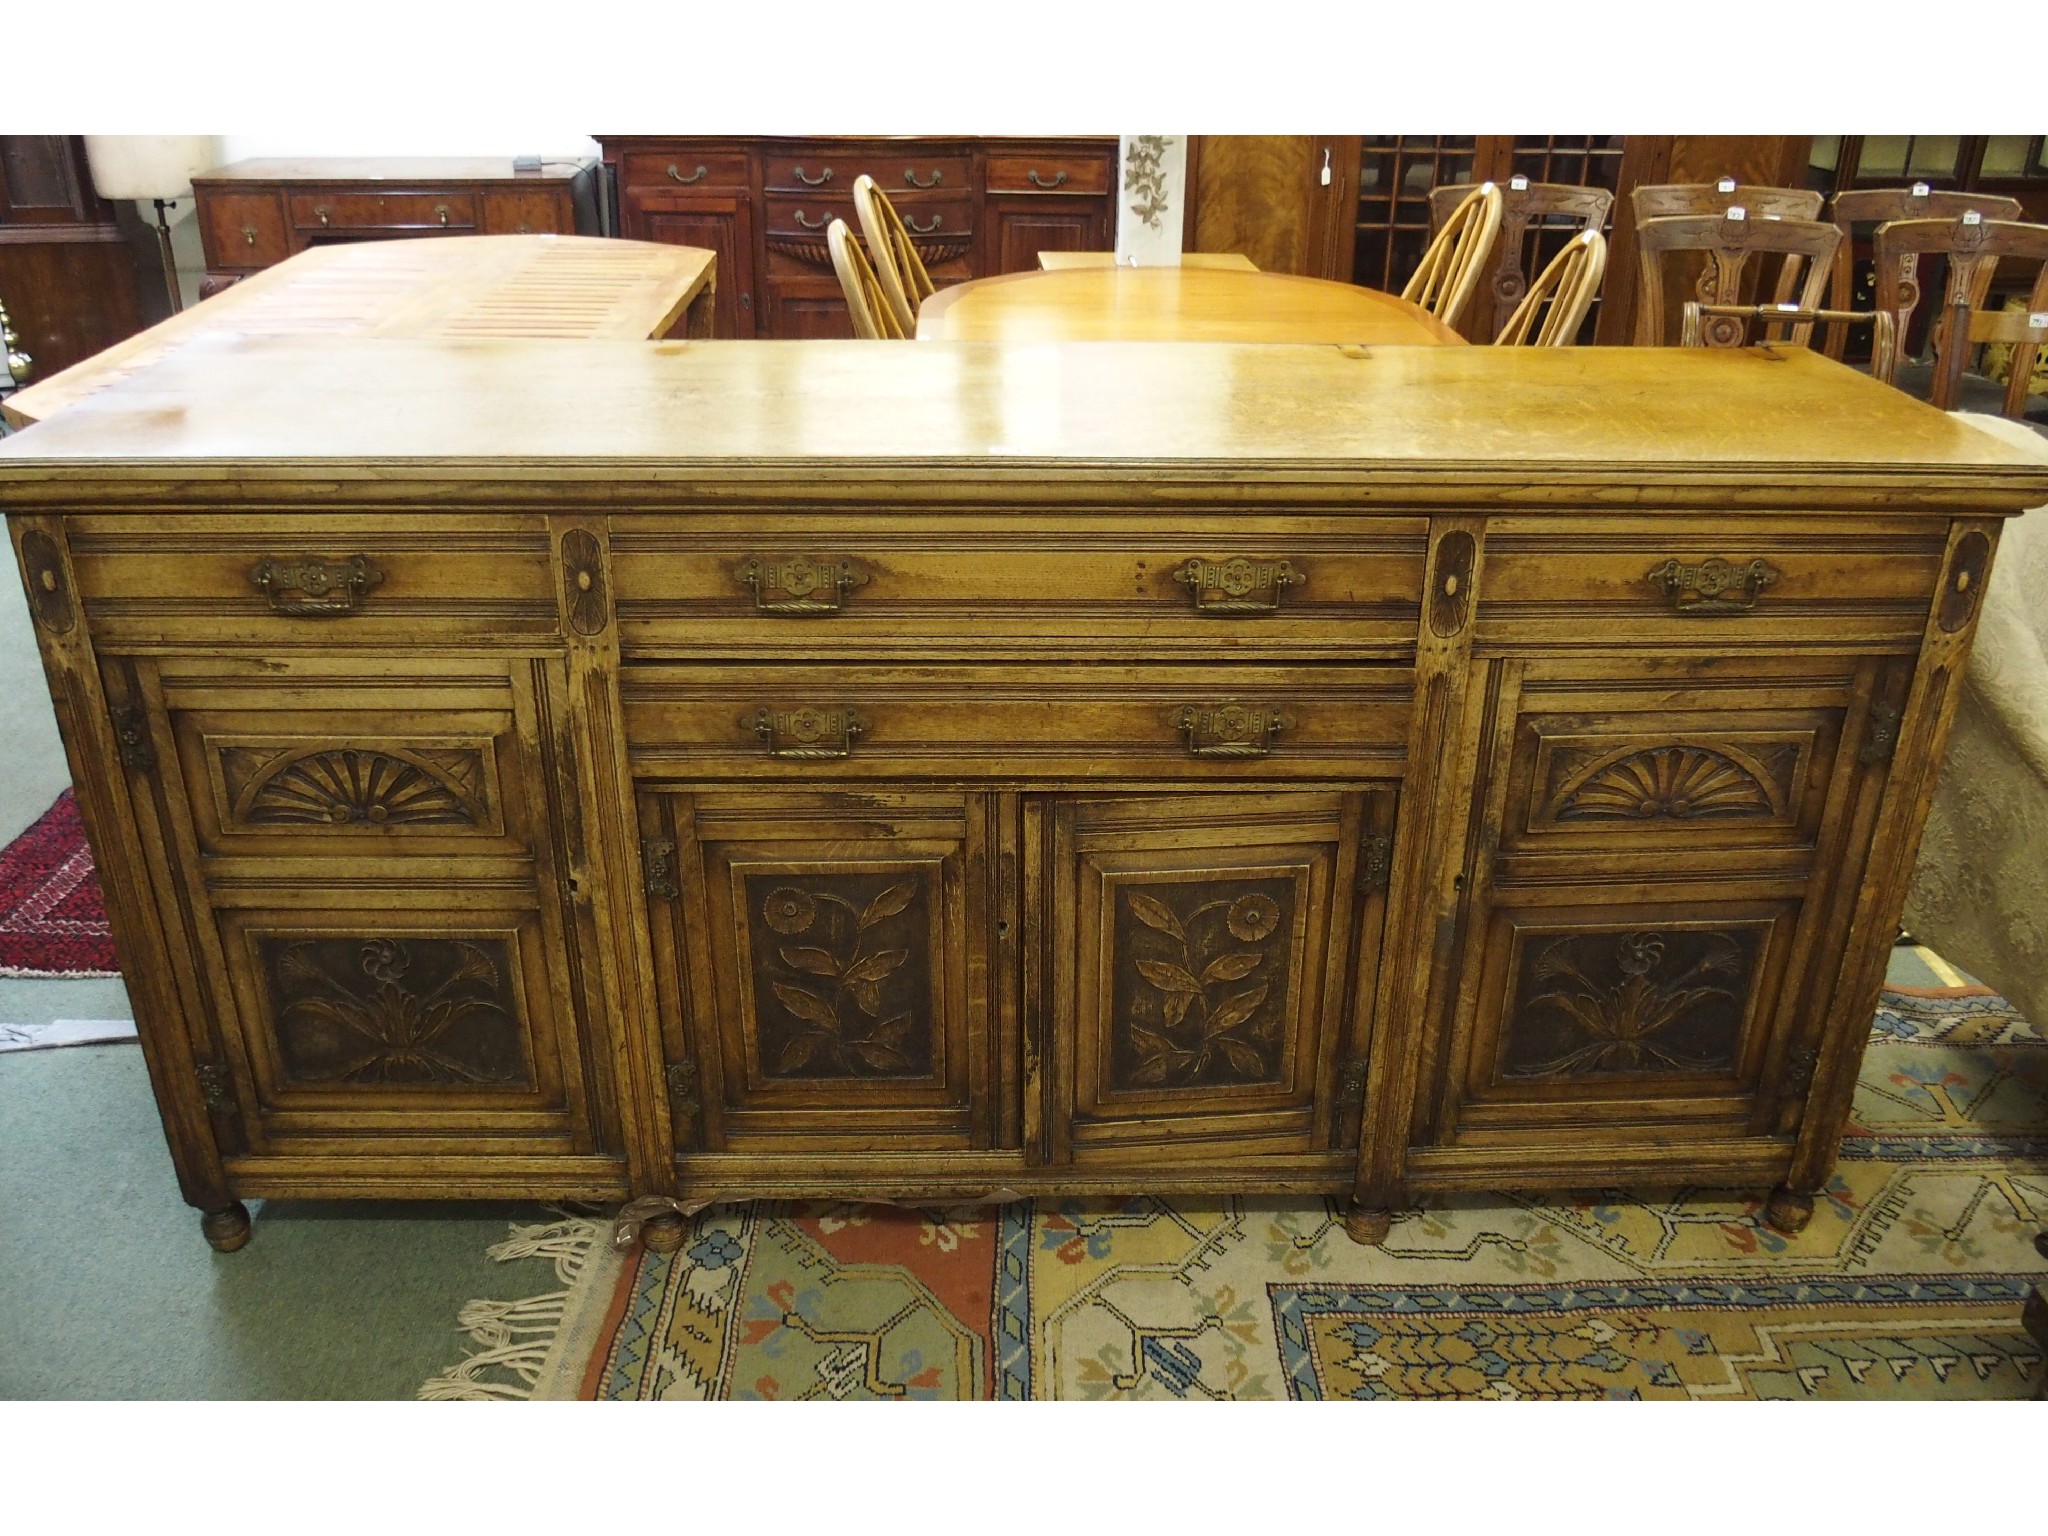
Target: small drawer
[[1213, 723], [807, 218], [322, 582], [1048, 173], [314, 212], [529, 213], [244, 229], [897, 173], [1317, 588], [1735, 580], [684, 168]]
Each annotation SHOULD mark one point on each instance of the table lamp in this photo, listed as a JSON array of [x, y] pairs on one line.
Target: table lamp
[[151, 168]]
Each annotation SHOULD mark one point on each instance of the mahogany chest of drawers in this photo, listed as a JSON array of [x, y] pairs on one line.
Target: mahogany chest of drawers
[[974, 208], [934, 771], [254, 213]]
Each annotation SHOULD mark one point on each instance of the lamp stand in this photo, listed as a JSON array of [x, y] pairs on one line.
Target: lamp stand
[[163, 239]]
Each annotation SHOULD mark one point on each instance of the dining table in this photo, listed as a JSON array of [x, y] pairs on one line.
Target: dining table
[[1185, 303], [1060, 261]]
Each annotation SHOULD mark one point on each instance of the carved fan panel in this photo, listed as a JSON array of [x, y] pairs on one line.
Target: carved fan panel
[[1200, 982], [396, 1010], [347, 786], [1668, 783], [842, 974], [1630, 1001]]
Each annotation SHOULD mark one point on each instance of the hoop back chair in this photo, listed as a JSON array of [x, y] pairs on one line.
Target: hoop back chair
[[1449, 274], [1974, 247], [1730, 241], [1882, 205], [873, 317], [1543, 204], [1570, 282], [897, 265]]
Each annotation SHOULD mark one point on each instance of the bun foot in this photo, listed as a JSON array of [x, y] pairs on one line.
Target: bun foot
[[663, 1233], [1368, 1224], [1788, 1211], [227, 1229]]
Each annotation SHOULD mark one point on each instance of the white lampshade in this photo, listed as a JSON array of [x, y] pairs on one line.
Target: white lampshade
[[144, 167]]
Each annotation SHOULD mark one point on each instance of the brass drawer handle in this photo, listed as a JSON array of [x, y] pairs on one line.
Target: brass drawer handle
[[249, 233], [321, 212], [807, 224], [1712, 586], [806, 734], [1228, 730], [441, 209], [1059, 179], [824, 176], [314, 588], [910, 179], [925, 229], [1238, 585], [800, 584], [695, 176]]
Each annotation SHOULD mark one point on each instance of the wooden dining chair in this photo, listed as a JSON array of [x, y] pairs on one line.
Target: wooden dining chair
[[897, 264], [1569, 283], [1974, 247], [1523, 204], [1727, 325], [1730, 241], [1449, 274], [1881, 205], [873, 317], [1678, 200]]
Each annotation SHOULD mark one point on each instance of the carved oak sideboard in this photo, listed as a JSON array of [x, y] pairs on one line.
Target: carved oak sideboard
[[690, 771]]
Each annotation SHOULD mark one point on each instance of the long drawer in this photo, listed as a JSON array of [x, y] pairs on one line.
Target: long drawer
[[895, 171], [1325, 587], [330, 581], [1014, 724]]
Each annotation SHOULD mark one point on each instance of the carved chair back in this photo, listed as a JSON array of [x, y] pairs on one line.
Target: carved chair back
[[1449, 274], [1544, 204], [1730, 241], [1570, 283], [1974, 246], [1881, 205], [1677, 200], [873, 317], [897, 264]]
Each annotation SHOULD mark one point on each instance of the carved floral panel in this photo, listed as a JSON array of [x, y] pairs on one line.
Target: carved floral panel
[[1199, 982], [356, 786], [396, 1010], [1630, 1001], [842, 974]]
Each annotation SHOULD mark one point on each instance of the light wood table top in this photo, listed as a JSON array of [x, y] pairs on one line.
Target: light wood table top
[[1063, 261], [477, 286], [1174, 304]]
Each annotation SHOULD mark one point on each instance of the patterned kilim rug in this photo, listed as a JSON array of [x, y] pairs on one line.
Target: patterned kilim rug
[[52, 921], [1908, 1283]]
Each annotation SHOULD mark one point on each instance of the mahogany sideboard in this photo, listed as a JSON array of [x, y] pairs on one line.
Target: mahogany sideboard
[[255, 213], [687, 771], [975, 207]]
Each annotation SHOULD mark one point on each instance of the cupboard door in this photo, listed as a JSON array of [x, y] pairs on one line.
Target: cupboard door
[[1662, 856], [1024, 226], [823, 964], [722, 225], [1204, 948]]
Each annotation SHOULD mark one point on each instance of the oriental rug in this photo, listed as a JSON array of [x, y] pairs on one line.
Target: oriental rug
[[1908, 1283], [52, 921]]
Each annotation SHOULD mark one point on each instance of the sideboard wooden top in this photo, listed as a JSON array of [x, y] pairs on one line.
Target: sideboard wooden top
[[1487, 425]]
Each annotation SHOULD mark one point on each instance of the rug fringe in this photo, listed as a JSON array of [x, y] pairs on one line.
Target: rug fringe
[[518, 1336]]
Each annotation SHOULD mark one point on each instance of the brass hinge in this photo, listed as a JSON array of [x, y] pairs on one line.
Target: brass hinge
[[1351, 1082], [1799, 1069], [682, 1090], [216, 1085], [658, 854], [1375, 862], [131, 737], [1884, 734]]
